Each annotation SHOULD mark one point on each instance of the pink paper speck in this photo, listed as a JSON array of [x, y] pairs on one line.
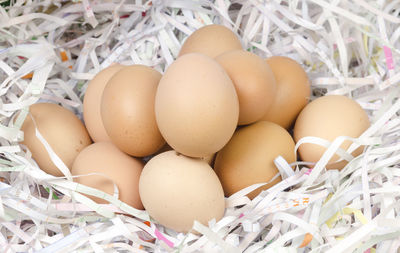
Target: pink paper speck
[[162, 238], [389, 57]]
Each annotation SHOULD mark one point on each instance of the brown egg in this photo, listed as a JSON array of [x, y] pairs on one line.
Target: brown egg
[[91, 103], [62, 129], [249, 157], [115, 167], [177, 190], [196, 106], [211, 40], [254, 83], [292, 93], [127, 110], [329, 117]]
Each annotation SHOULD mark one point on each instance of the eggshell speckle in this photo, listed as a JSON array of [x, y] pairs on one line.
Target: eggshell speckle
[[177, 190], [65, 133], [196, 106], [209, 159], [211, 40], [254, 83], [113, 167], [329, 117], [92, 101], [248, 158], [127, 110], [292, 93]]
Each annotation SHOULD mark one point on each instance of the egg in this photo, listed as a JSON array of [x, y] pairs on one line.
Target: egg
[[196, 106], [249, 156], [254, 83], [127, 110], [292, 93], [112, 167], [211, 40], [91, 103], [61, 128], [329, 117], [177, 190]]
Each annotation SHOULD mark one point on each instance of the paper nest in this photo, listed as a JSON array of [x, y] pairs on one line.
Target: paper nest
[[48, 52]]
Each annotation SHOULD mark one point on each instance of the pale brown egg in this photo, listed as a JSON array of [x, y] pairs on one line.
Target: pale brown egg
[[177, 190], [249, 156], [61, 128], [211, 40], [91, 103], [196, 106], [292, 93], [329, 117], [127, 110], [254, 83], [112, 167]]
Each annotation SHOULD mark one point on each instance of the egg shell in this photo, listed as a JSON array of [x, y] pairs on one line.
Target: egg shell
[[127, 110], [113, 167], [254, 83], [92, 101], [211, 40], [292, 93], [249, 157], [61, 128], [196, 106], [329, 117], [177, 190]]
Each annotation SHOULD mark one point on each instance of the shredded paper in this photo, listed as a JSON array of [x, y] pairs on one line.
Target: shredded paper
[[49, 50]]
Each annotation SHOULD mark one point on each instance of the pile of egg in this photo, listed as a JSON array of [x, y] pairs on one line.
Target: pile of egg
[[211, 125]]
